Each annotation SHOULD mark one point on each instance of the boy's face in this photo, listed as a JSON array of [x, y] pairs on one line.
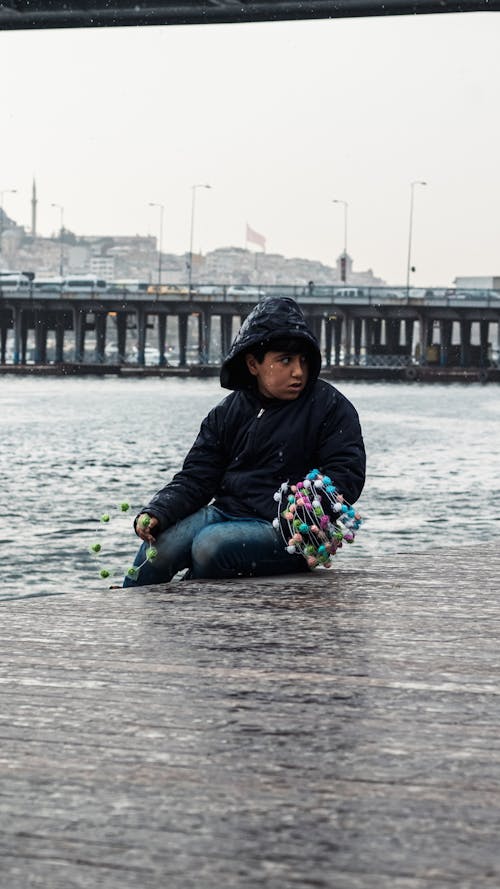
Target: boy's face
[[280, 375]]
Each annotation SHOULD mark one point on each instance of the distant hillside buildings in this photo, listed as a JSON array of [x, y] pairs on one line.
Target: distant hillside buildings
[[136, 257]]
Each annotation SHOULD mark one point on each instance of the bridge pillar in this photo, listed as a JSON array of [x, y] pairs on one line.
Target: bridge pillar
[[121, 336], [338, 324], [141, 320], [79, 323], [162, 338], [100, 336], [204, 332], [357, 324], [392, 334], [183, 328], [3, 345], [409, 327], [348, 339], [445, 328], [226, 331], [328, 342], [424, 334], [59, 330], [18, 324], [465, 337], [483, 339], [40, 337]]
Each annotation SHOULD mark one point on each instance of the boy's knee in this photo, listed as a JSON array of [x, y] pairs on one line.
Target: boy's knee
[[207, 550]]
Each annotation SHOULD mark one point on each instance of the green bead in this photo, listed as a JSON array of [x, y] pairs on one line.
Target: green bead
[[133, 573], [96, 548], [105, 517], [151, 553], [124, 506], [145, 521], [104, 572]]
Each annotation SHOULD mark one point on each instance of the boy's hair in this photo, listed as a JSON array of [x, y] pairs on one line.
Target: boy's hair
[[294, 345]]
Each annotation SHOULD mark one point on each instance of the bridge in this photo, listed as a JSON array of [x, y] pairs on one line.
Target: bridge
[[356, 326]]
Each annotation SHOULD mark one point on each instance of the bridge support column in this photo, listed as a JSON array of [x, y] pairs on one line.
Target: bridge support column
[[348, 339], [445, 336], [18, 324], [121, 336], [79, 325], [483, 339], [100, 336], [204, 332], [226, 330], [141, 320], [424, 335], [328, 341], [338, 324], [162, 338], [40, 337], [183, 327], [465, 337], [409, 326], [357, 324], [392, 334], [3, 345], [59, 330]]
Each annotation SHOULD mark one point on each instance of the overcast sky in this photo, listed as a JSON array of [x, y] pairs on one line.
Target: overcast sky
[[279, 118]]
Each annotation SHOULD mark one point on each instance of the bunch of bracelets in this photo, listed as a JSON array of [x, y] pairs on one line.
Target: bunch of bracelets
[[314, 520], [97, 549]]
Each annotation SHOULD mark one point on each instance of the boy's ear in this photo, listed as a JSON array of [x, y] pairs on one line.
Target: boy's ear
[[252, 364]]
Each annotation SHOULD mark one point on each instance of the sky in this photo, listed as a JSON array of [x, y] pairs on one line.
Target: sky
[[280, 119]]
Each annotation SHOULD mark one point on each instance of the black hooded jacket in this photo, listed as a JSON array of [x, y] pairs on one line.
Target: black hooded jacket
[[246, 447]]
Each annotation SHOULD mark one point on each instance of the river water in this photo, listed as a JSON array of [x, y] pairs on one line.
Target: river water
[[75, 449]]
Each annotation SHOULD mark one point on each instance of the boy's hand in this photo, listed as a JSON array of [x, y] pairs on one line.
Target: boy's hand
[[145, 527]]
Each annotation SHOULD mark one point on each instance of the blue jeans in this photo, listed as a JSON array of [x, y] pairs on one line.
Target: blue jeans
[[214, 545]]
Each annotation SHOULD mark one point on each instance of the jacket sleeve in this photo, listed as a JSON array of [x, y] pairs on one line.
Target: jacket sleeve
[[341, 448], [198, 480]]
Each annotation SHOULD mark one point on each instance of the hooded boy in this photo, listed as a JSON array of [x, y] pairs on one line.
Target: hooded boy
[[279, 422]]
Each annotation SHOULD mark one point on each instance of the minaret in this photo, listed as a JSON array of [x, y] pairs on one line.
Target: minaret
[[33, 210]]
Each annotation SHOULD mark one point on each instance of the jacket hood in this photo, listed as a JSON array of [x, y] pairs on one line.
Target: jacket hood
[[272, 318]]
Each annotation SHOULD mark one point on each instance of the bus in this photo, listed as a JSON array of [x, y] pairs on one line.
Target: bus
[[84, 284], [14, 281]]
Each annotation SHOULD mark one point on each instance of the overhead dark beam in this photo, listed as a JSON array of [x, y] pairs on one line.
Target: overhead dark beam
[[31, 14]]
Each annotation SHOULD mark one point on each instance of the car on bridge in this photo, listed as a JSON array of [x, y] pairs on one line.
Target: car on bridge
[[245, 290]]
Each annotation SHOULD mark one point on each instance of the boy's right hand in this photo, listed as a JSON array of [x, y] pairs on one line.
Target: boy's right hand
[[145, 527]]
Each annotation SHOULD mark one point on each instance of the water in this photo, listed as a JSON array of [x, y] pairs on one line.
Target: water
[[74, 449]]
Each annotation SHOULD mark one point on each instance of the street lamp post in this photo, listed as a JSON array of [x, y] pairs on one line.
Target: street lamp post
[[190, 269], [410, 232], [160, 239], [2, 192], [61, 243], [346, 205]]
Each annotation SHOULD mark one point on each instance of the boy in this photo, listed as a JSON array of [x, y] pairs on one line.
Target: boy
[[280, 421]]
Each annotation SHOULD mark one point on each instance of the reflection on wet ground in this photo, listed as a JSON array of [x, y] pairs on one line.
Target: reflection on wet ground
[[338, 730]]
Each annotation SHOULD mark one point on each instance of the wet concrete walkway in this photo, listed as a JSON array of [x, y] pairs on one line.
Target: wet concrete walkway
[[337, 731]]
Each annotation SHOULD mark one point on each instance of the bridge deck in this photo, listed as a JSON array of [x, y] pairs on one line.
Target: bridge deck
[[341, 730]]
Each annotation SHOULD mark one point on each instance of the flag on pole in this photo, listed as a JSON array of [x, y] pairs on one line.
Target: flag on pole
[[255, 238]]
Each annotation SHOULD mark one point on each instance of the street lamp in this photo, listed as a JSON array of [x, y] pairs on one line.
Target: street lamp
[[2, 192], [338, 201], [61, 248], [408, 267], [190, 270], [160, 239]]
